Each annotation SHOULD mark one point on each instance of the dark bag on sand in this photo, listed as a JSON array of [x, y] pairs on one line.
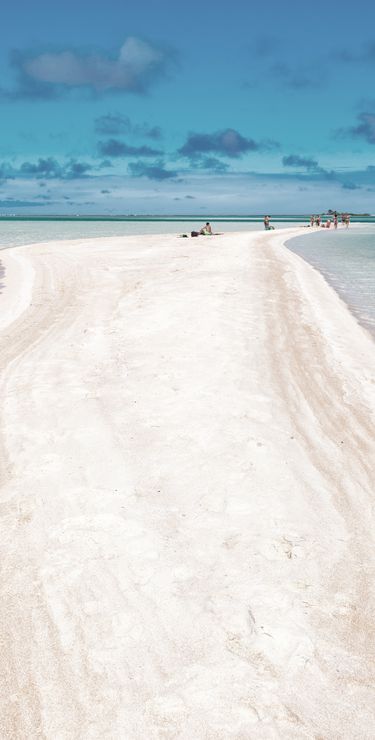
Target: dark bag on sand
[[195, 233]]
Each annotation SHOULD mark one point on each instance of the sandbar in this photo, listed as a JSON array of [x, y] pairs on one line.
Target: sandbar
[[187, 493]]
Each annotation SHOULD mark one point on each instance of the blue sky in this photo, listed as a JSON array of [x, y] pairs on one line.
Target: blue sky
[[157, 107]]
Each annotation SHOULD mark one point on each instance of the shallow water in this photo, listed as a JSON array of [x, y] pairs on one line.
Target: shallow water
[[346, 258], [17, 232]]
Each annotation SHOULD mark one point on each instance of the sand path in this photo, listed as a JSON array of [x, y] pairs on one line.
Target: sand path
[[187, 504]]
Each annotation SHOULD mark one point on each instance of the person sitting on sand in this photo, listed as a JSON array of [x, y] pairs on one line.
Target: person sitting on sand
[[205, 230], [267, 224]]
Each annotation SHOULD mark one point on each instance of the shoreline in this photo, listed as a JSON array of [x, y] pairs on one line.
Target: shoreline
[[364, 320], [361, 321], [186, 431]]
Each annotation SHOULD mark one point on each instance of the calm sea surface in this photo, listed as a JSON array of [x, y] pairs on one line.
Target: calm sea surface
[[17, 231], [346, 258]]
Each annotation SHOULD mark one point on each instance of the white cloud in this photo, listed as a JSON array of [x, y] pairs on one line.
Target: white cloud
[[137, 65]]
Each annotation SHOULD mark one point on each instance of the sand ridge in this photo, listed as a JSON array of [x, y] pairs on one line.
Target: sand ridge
[[187, 465]]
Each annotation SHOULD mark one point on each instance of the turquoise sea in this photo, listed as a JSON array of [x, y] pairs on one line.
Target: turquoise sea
[[18, 230], [15, 231], [346, 257]]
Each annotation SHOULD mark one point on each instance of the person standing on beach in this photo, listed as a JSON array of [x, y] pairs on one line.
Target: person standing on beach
[[335, 220], [318, 220], [312, 221]]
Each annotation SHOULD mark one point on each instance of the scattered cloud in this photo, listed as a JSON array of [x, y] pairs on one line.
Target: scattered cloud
[[116, 148], [5, 172], [16, 203], [210, 163], [115, 124], [51, 74], [76, 169], [47, 168], [228, 143], [279, 68], [312, 167], [154, 171], [294, 160], [365, 128], [42, 168], [351, 186], [294, 77], [364, 55], [266, 46], [273, 63]]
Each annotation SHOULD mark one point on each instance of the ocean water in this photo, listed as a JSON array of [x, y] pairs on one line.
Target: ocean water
[[346, 258], [18, 231]]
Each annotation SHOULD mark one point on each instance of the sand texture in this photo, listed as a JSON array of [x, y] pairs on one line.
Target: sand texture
[[187, 494]]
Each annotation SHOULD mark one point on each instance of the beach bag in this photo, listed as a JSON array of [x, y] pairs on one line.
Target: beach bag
[[195, 233]]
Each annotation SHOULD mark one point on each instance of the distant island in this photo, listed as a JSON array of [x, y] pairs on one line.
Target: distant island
[[356, 215]]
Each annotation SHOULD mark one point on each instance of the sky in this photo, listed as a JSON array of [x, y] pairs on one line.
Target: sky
[[156, 107]]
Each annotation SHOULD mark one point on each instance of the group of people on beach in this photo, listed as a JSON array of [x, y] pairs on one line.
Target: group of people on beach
[[317, 221], [314, 221]]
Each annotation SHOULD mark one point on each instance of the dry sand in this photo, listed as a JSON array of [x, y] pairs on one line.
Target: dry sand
[[187, 518]]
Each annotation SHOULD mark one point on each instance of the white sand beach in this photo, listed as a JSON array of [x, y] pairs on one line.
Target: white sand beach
[[187, 464]]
